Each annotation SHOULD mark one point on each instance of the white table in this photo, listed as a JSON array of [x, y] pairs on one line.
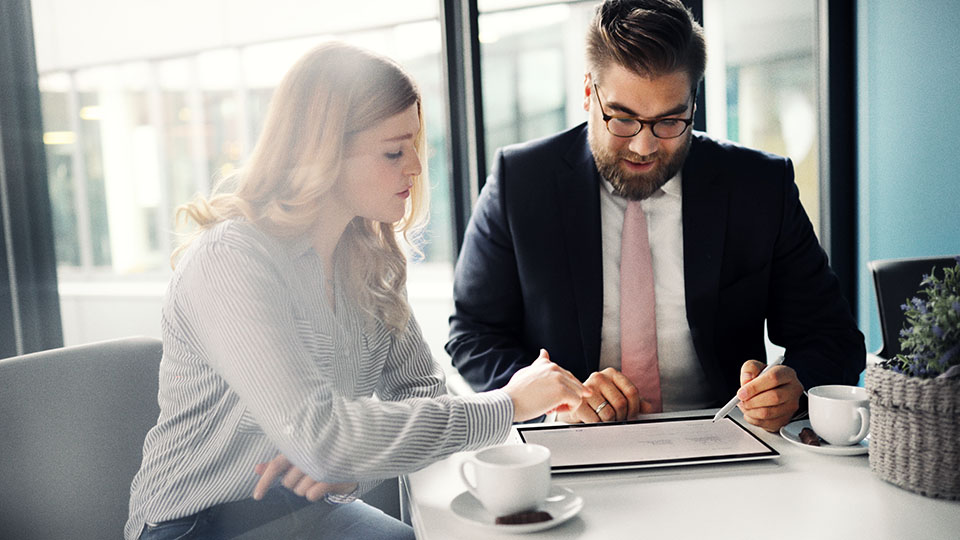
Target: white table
[[801, 495]]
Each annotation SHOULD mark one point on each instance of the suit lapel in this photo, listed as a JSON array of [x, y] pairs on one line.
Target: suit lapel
[[705, 202], [578, 192]]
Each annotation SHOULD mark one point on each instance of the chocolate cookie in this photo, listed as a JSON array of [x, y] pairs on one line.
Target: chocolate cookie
[[808, 436], [521, 518]]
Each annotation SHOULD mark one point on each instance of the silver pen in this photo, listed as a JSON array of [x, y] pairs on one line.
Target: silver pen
[[736, 400]]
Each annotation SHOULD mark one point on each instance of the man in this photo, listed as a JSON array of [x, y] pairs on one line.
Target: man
[[713, 239]]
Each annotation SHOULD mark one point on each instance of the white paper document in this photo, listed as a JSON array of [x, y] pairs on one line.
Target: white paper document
[[646, 443]]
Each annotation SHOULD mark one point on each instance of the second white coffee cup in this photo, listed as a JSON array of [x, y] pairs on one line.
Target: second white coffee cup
[[840, 414], [510, 478]]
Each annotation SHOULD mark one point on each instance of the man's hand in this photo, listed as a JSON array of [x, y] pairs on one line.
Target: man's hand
[[294, 480], [609, 386], [768, 401]]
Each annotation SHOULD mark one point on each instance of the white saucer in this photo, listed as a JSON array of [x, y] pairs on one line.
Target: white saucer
[[561, 503], [791, 432]]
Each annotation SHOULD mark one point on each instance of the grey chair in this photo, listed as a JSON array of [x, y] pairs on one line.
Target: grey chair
[[897, 280], [72, 423]]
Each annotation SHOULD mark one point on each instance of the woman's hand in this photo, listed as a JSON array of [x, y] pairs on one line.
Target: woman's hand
[[295, 480], [544, 387]]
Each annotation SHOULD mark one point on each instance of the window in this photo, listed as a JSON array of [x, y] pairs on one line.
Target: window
[[138, 122]]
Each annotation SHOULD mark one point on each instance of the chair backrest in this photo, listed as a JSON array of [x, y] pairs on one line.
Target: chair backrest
[[897, 280], [72, 424]]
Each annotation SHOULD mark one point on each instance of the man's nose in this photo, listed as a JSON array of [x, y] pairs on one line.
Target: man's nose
[[644, 143]]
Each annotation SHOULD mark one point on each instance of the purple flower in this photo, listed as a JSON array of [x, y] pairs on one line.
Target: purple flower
[[955, 306], [904, 307], [904, 332], [919, 304], [937, 331]]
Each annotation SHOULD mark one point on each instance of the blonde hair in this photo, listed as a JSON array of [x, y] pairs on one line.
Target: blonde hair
[[333, 92]]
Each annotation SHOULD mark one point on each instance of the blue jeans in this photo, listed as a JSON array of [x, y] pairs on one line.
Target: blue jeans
[[282, 514]]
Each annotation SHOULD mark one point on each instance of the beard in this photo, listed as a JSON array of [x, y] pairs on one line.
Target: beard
[[636, 186]]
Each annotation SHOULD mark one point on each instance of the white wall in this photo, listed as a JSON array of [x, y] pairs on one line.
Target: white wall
[[908, 125]]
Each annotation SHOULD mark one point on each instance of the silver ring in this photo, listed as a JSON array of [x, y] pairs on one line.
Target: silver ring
[[600, 407]]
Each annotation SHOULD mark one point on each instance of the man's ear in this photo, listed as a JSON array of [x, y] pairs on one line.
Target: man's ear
[[587, 91]]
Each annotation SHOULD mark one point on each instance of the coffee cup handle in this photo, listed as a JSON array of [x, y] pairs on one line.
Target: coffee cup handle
[[864, 426], [463, 475]]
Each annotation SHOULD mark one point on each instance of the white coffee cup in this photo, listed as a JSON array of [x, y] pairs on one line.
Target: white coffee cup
[[840, 414], [508, 479]]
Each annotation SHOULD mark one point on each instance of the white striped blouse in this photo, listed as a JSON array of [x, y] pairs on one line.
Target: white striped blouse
[[256, 362]]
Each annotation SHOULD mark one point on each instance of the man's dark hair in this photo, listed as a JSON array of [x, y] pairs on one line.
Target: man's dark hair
[[649, 37]]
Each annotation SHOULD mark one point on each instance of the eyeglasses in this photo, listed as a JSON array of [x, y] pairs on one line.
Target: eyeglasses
[[628, 126]]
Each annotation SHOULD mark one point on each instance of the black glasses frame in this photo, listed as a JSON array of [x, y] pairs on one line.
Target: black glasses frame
[[641, 122]]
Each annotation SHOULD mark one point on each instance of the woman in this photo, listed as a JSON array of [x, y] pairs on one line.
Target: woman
[[287, 312]]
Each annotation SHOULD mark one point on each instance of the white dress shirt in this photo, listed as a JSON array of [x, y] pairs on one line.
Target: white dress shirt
[[683, 383]]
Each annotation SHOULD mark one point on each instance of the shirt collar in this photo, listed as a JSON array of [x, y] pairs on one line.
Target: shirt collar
[[298, 246], [673, 186]]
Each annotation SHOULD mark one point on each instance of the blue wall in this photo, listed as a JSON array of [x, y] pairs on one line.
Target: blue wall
[[908, 86]]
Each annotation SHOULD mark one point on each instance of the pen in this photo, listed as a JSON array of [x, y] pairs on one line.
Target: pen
[[733, 402]]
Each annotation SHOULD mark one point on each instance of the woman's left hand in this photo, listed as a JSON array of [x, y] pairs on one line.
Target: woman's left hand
[[295, 480]]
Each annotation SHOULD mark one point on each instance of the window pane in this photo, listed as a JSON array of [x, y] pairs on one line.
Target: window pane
[[92, 159], [60, 143], [532, 69], [762, 82]]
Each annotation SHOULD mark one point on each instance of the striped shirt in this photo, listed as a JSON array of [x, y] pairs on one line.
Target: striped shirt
[[256, 362]]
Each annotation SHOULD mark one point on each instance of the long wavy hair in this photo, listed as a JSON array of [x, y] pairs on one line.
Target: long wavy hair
[[330, 94]]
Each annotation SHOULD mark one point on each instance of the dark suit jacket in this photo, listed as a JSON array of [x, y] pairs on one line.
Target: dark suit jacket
[[529, 274]]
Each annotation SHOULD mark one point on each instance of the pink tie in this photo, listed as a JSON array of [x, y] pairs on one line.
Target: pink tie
[[638, 317]]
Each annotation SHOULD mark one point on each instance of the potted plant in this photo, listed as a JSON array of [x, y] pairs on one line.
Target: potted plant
[[915, 396]]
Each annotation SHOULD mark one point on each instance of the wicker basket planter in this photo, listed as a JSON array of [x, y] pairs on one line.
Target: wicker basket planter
[[915, 432]]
